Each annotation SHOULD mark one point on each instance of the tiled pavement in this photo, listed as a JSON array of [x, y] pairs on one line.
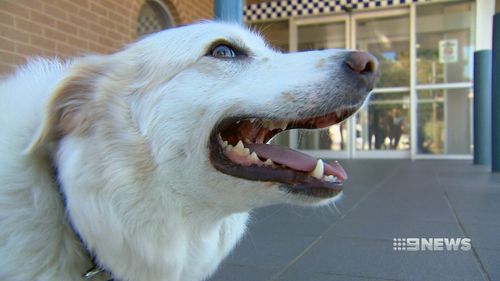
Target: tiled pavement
[[383, 199]]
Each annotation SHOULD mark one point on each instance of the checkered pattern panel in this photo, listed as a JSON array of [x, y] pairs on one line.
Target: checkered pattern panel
[[148, 24], [279, 9]]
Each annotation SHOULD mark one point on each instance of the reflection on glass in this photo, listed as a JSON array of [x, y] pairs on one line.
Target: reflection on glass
[[388, 39], [332, 138], [444, 42], [321, 36], [444, 121], [385, 123], [275, 32], [318, 37]]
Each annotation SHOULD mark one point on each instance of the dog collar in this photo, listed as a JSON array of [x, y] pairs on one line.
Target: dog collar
[[95, 272]]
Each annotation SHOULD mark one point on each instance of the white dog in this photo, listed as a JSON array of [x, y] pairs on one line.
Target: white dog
[[144, 163]]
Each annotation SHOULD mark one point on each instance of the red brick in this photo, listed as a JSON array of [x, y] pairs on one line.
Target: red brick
[[55, 12], [69, 6], [77, 41], [11, 58], [31, 4], [42, 18], [66, 50], [87, 34], [88, 16], [78, 21], [28, 26], [14, 34], [67, 27], [6, 19], [14, 9], [29, 50], [42, 42], [107, 23], [7, 45], [98, 9], [54, 34]]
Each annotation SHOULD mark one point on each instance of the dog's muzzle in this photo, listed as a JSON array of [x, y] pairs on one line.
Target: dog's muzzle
[[239, 145]]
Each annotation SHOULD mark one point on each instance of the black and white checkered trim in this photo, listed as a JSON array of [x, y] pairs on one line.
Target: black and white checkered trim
[[279, 9], [148, 24]]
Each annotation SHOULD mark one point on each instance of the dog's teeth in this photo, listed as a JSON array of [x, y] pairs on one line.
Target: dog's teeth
[[239, 145], [252, 120], [318, 170], [330, 178], [224, 144], [229, 147], [268, 162], [246, 151], [254, 157], [284, 124]]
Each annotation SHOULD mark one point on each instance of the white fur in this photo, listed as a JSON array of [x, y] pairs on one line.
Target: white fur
[[127, 134]]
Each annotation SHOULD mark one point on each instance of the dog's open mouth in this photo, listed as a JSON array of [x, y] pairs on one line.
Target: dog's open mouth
[[238, 147]]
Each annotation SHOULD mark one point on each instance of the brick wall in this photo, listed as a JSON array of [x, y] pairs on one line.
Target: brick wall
[[71, 27]]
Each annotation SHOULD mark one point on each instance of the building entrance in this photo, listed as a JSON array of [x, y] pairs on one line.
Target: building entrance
[[422, 104]]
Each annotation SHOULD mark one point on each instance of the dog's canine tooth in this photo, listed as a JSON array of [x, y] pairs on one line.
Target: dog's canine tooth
[[252, 120], [269, 162], [283, 126], [254, 157], [229, 147], [318, 170], [239, 145]]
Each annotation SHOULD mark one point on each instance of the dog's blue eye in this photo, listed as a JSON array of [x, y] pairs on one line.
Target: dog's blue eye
[[223, 51]]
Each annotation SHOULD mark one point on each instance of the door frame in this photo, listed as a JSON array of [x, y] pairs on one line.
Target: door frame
[[350, 24]]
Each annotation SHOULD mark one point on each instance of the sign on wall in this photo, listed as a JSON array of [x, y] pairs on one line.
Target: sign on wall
[[448, 51]]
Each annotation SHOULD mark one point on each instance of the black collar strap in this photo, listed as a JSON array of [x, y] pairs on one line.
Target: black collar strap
[[96, 272]]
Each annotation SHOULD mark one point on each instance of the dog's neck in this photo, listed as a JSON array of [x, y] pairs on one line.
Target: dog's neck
[[95, 272]]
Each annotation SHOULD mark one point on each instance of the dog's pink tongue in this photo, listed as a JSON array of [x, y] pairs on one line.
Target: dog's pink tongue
[[296, 160]]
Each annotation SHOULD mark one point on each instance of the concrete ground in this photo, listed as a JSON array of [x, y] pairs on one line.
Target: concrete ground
[[383, 200]]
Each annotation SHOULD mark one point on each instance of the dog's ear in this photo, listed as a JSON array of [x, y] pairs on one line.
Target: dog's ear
[[70, 107]]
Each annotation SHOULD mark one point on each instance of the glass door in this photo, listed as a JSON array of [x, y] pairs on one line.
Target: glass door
[[422, 104], [318, 34], [382, 127]]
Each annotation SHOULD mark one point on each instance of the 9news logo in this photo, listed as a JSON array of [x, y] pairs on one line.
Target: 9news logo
[[431, 244]]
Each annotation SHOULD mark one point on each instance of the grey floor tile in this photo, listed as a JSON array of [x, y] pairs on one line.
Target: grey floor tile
[[387, 230], [236, 272], [299, 221], [351, 257], [491, 262], [318, 276], [273, 249], [442, 265], [484, 235]]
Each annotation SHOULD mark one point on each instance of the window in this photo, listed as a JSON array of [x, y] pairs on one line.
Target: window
[[153, 17]]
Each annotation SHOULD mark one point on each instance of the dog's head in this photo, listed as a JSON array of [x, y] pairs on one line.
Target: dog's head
[[189, 111]]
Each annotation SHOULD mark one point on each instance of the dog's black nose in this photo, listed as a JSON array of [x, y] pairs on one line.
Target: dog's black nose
[[363, 64]]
